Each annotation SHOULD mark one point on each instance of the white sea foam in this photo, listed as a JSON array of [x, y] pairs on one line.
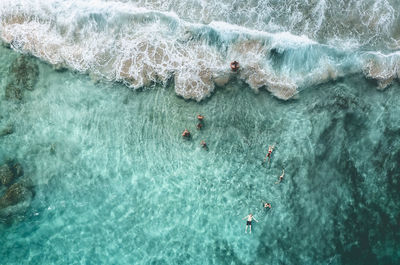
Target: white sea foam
[[371, 23], [129, 43], [384, 68], [279, 38]]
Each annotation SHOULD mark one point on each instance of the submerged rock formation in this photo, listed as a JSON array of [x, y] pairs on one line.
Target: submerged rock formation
[[23, 74], [6, 175], [9, 172], [17, 190], [17, 193]]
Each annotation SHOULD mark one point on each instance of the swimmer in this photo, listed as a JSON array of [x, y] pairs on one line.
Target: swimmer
[[250, 218], [204, 145], [199, 126], [235, 66], [186, 133], [281, 177], [267, 205], [200, 117], [270, 149]]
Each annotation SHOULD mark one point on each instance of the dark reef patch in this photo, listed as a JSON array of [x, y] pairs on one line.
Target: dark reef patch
[[16, 191], [15, 194], [23, 75], [9, 172]]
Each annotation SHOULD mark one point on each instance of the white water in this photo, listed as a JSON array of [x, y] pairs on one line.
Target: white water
[[143, 43]]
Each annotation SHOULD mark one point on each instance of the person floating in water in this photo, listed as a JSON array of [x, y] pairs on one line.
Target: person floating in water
[[281, 177], [270, 149], [186, 133], [250, 218], [267, 205], [200, 124], [235, 66], [204, 145]]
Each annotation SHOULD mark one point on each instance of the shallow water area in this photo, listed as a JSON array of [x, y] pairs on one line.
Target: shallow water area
[[115, 182]]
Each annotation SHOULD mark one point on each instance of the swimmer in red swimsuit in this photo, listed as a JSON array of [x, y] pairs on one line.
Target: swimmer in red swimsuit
[[270, 149]]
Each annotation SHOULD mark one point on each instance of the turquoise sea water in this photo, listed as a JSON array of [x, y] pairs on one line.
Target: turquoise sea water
[[94, 97], [115, 183]]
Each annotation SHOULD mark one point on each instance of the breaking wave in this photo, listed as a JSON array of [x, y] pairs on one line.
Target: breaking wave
[[144, 43]]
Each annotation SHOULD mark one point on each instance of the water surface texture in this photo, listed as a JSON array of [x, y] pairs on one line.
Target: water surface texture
[[94, 96]]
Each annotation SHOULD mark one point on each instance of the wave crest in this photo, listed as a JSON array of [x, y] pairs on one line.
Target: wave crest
[[139, 47]]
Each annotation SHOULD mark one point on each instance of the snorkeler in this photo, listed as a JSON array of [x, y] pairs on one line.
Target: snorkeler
[[186, 133], [270, 149], [199, 126], [250, 218], [204, 145], [281, 177], [235, 66], [200, 117]]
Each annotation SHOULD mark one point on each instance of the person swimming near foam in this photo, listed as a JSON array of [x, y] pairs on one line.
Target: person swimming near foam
[[235, 66], [250, 218]]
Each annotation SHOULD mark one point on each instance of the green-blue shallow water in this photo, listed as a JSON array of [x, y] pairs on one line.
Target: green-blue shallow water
[[115, 183]]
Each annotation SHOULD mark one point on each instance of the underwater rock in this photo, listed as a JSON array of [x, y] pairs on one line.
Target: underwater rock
[[18, 192], [13, 92], [25, 71], [7, 130], [6, 175], [9, 172], [23, 74]]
